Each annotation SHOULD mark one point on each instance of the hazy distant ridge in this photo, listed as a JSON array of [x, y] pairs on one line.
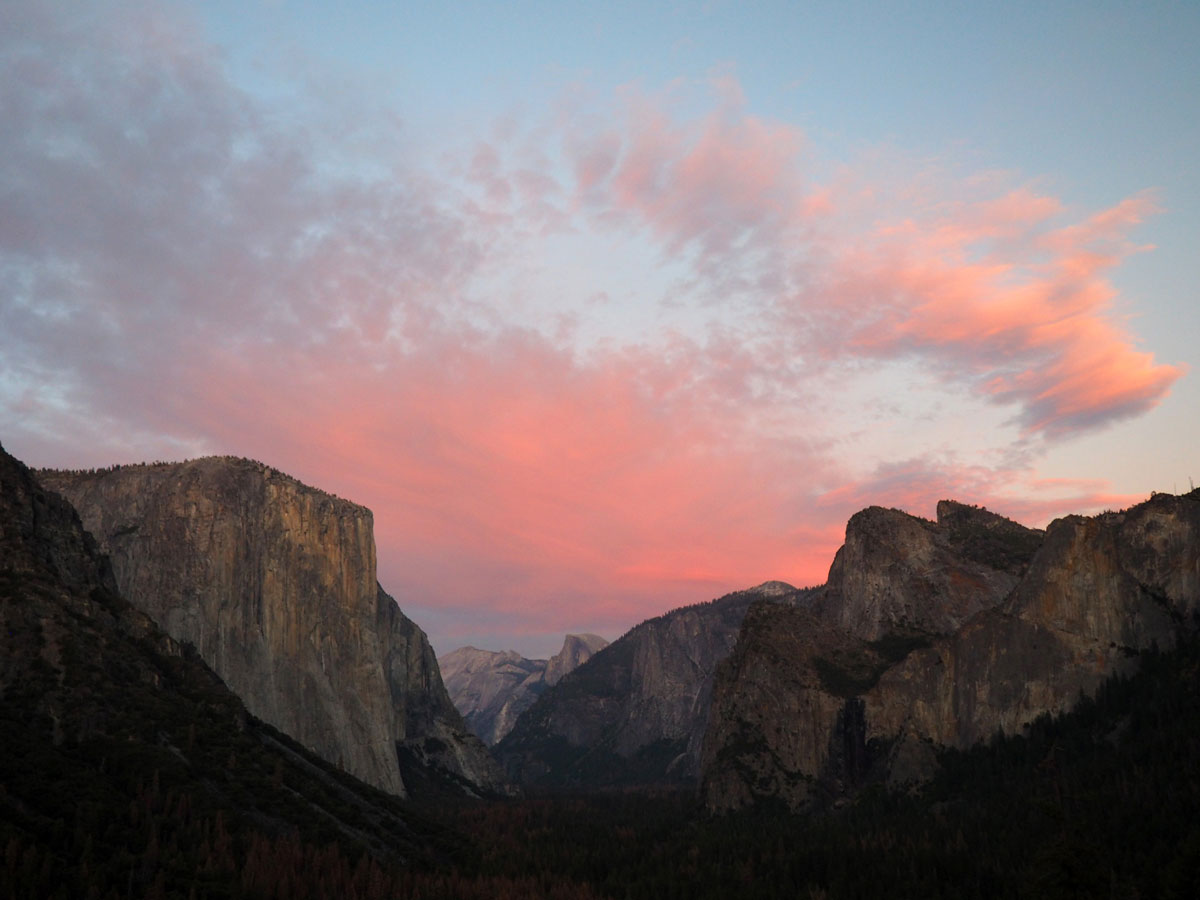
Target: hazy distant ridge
[[492, 688]]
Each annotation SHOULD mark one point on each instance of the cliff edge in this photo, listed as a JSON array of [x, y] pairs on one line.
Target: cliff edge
[[940, 634], [274, 583]]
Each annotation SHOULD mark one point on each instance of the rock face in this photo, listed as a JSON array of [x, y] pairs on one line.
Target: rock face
[[274, 584], [635, 712], [897, 572], [576, 650], [491, 689], [864, 684], [96, 699]]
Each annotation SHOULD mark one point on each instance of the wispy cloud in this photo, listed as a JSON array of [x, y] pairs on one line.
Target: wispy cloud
[[184, 268], [985, 282], [1028, 323]]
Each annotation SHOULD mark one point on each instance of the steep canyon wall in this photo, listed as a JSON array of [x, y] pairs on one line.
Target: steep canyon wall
[[274, 584]]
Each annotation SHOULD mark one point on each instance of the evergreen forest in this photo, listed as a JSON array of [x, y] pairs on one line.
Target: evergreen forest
[[1100, 802]]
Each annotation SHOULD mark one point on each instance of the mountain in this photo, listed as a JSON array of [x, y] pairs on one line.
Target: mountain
[[932, 635], [900, 573], [127, 768], [576, 650], [274, 584], [635, 712], [491, 688]]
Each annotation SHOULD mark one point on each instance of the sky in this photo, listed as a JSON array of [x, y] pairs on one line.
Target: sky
[[604, 309]]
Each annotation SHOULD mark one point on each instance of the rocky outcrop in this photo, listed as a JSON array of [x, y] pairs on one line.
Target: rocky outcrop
[[897, 572], [492, 688], [274, 584], [814, 703], [108, 722], [576, 650], [635, 712]]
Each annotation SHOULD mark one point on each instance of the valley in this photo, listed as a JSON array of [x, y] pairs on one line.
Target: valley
[[206, 693]]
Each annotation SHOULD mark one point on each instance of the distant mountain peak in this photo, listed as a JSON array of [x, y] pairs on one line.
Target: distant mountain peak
[[491, 688], [773, 589], [635, 713]]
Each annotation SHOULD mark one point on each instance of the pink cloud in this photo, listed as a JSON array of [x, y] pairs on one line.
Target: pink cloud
[[505, 475], [182, 273], [978, 278], [710, 185], [1036, 330]]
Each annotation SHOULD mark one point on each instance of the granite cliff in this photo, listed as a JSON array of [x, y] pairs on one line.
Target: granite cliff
[[900, 573], [274, 584], [940, 634], [576, 650], [112, 730], [492, 688], [635, 712]]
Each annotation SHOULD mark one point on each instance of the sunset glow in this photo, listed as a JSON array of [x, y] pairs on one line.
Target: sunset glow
[[589, 352]]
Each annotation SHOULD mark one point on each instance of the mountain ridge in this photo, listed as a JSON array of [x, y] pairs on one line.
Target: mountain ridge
[[814, 704], [492, 688], [128, 767], [275, 584], [634, 713]]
